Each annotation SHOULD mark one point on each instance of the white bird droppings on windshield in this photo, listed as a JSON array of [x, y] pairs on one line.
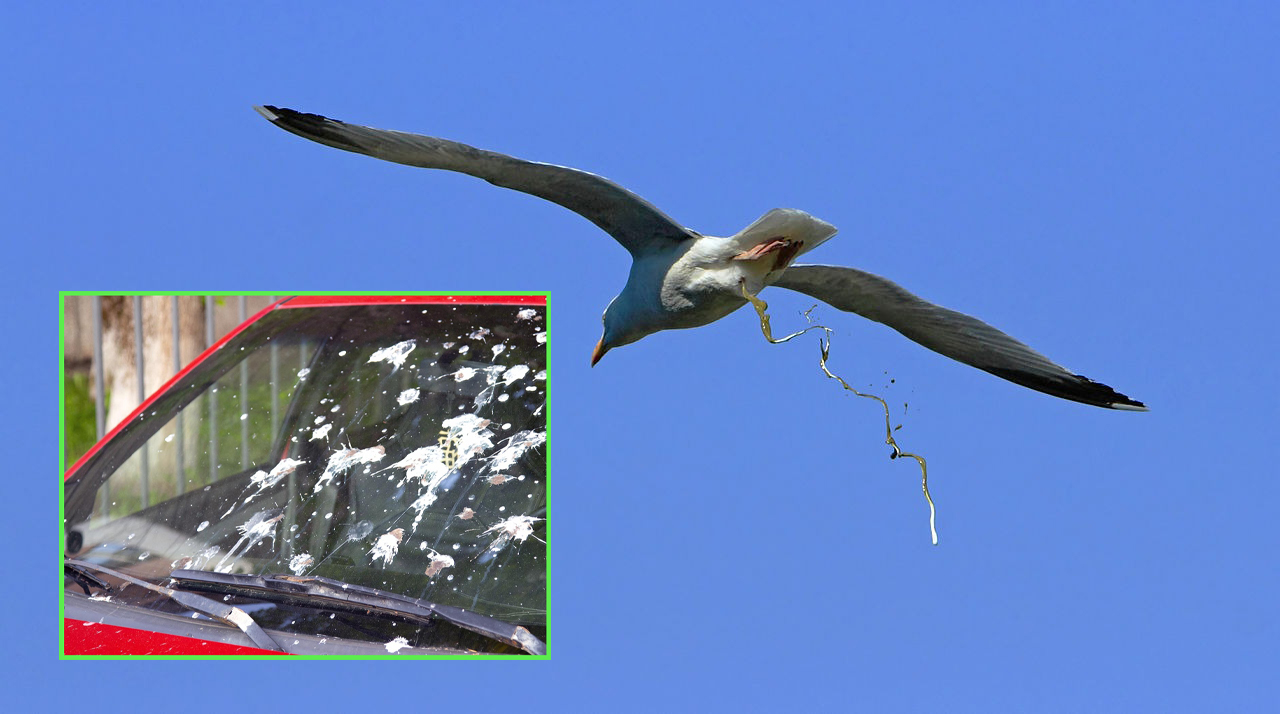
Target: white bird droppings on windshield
[[260, 526], [387, 545], [300, 562], [438, 562], [394, 355], [265, 480], [515, 448], [342, 460], [516, 373], [517, 528], [321, 433], [408, 396], [397, 644]]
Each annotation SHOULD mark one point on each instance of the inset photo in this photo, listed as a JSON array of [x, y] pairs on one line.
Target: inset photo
[[312, 475]]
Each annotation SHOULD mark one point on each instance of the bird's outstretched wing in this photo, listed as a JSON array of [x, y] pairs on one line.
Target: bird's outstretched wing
[[631, 220], [948, 332]]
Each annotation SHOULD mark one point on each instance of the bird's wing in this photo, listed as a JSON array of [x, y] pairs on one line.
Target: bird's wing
[[956, 335], [631, 220]]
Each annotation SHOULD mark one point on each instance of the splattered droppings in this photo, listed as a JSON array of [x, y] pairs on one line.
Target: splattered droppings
[[397, 644]]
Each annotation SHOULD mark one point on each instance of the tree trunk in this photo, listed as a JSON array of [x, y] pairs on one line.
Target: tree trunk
[[119, 354]]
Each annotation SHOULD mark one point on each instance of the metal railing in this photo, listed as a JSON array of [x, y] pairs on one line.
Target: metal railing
[[141, 367]]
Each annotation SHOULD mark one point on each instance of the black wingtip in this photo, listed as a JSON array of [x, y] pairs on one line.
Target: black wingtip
[[289, 117], [1078, 388], [315, 127]]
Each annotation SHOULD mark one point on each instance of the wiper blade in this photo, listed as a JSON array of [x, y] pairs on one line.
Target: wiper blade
[[347, 597], [220, 611], [84, 577]]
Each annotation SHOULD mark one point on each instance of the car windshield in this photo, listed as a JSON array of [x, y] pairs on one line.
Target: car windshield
[[399, 447]]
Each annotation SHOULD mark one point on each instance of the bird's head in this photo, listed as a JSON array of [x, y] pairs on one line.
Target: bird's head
[[620, 328]]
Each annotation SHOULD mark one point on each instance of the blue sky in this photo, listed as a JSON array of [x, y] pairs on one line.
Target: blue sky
[[729, 533]]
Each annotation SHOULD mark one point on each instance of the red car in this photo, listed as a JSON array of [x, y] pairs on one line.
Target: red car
[[338, 476]]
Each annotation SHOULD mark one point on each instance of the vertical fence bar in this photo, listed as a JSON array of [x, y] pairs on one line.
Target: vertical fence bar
[[100, 386], [209, 305], [244, 396], [177, 367], [142, 393], [275, 384], [100, 392]]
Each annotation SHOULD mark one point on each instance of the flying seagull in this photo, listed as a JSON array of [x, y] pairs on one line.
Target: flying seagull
[[681, 278]]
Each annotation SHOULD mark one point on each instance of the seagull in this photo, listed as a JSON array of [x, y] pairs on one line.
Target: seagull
[[680, 278]]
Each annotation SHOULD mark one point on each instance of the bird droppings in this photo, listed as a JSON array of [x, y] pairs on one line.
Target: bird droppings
[[528, 313], [203, 525], [408, 396], [467, 514], [420, 505], [302, 373], [341, 461], [397, 644], [300, 563], [387, 545], [395, 355], [438, 563], [491, 376], [514, 374], [197, 562], [517, 528], [264, 480], [824, 345], [516, 447], [321, 433], [260, 526]]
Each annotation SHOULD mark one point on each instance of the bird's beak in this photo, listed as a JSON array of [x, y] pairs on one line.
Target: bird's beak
[[598, 352]]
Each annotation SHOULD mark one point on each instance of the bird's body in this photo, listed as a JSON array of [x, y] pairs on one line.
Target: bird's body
[[699, 280], [680, 278]]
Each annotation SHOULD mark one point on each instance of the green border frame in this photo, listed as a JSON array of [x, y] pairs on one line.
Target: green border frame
[[62, 468]]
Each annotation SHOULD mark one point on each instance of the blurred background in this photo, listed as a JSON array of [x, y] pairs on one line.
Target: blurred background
[[101, 356]]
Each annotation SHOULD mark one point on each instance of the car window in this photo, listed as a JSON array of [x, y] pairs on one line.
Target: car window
[[400, 447]]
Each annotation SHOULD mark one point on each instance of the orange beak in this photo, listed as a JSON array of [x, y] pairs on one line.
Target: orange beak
[[598, 352]]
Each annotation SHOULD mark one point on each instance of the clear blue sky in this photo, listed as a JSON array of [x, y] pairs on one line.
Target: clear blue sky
[[728, 531]]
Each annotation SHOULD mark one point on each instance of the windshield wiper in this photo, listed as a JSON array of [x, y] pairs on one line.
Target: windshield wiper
[[337, 595], [219, 611], [84, 577]]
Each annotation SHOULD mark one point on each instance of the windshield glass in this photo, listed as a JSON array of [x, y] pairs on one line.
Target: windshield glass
[[399, 447]]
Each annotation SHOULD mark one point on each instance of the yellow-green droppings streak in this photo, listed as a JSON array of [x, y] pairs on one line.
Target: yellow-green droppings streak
[[824, 345]]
